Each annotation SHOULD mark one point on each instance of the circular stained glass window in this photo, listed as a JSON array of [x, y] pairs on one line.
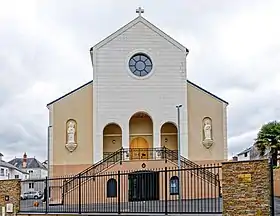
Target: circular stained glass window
[[140, 64]]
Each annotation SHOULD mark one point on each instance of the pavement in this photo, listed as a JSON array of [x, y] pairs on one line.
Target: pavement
[[211, 206], [207, 207]]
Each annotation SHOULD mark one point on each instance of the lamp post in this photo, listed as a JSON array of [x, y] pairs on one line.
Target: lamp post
[[179, 150], [47, 194]]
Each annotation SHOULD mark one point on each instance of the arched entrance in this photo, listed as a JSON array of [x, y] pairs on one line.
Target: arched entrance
[[169, 136], [112, 139], [140, 135]]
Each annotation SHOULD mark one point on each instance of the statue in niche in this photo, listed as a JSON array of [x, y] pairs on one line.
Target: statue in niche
[[71, 137], [207, 133]]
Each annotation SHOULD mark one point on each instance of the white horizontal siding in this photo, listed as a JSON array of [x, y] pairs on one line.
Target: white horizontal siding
[[118, 95]]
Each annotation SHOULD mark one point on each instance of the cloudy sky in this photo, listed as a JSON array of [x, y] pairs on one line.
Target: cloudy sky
[[44, 53]]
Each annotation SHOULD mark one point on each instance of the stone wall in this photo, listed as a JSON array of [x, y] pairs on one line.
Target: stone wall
[[246, 188], [12, 189]]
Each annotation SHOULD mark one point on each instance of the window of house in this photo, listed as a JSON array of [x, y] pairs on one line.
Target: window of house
[[174, 185], [112, 188], [16, 176], [2, 172], [246, 154], [30, 171], [31, 185]]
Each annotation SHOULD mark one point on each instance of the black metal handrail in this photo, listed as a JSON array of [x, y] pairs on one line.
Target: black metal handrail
[[93, 170], [110, 159], [204, 173], [138, 154]]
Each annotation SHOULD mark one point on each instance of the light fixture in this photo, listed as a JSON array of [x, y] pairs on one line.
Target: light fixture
[[113, 141], [165, 140]]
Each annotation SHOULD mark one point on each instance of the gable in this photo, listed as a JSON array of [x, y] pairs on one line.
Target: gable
[[142, 20]]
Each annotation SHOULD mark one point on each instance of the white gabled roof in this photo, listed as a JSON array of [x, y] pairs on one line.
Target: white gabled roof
[[148, 24]]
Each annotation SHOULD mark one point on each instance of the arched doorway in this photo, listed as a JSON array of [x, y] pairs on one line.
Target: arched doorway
[[140, 135], [169, 136], [112, 139]]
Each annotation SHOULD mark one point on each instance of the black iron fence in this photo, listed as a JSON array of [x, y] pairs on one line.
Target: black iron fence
[[165, 191]]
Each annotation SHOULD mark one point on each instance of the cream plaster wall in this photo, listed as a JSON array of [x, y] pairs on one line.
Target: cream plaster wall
[[77, 106], [201, 105]]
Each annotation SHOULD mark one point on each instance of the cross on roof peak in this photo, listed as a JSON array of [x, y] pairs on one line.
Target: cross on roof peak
[[140, 11]]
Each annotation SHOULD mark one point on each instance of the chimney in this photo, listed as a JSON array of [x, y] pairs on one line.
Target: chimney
[[24, 160], [1, 156], [235, 158]]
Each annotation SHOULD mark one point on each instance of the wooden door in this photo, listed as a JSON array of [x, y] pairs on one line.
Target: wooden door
[[139, 148]]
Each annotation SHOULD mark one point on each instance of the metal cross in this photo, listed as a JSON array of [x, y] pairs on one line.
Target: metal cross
[[139, 11]]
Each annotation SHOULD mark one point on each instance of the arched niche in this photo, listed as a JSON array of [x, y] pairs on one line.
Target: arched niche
[[169, 136], [111, 188], [174, 185], [141, 125], [112, 138]]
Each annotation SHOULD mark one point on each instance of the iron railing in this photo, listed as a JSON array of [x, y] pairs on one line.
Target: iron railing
[[137, 154], [92, 170], [172, 155], [154, 191], [186, 163]]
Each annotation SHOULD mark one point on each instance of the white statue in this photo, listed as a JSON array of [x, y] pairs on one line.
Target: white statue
[[71, 133], [207, 130], [71, 144]]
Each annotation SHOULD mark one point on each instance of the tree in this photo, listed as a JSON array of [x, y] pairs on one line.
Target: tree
[[268, 139]]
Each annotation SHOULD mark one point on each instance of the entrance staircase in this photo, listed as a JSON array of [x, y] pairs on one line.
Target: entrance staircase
[[123, 154]]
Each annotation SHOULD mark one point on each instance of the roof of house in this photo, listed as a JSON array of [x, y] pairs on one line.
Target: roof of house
[[69, 93], [1, 155], [10, 166], [245, 151], [31, 163], [45, 163]]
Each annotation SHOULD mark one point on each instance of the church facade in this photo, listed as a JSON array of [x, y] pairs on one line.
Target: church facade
[[139, 87]]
